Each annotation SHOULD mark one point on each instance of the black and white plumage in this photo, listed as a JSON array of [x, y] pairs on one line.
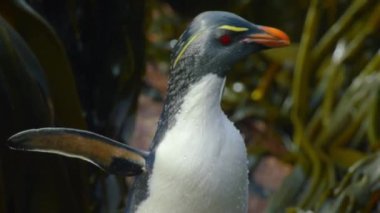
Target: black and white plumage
[[197, 161]]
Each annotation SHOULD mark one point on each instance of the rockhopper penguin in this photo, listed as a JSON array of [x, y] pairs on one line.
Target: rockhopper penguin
[[197, 162]]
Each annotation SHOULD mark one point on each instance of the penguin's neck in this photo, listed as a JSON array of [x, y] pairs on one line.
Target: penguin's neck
[[203, 98], [194, 97]]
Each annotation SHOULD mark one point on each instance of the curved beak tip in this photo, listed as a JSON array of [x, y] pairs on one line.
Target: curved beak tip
[[271, 37]]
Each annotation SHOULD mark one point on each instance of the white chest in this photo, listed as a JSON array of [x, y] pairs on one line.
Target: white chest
[[200, 166]]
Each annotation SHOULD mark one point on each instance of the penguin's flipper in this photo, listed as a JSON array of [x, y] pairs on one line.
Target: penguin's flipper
[[110, 155]]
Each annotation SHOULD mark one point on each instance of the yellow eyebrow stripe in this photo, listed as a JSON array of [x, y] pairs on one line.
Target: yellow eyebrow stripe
[[233, 28], [185, 47]]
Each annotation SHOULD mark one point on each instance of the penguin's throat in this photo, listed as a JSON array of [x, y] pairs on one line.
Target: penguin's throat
[[203, 98], [191, 100]]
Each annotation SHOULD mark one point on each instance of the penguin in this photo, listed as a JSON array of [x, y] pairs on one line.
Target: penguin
[[197, 161]]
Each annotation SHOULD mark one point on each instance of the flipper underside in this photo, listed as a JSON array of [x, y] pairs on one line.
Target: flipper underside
[[110, 155]]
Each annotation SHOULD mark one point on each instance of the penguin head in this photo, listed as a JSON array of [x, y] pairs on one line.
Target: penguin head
[[216, 40]]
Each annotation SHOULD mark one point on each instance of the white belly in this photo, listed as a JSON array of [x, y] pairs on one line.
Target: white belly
[[200, 166]]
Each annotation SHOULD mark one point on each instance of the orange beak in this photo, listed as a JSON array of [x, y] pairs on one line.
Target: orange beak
[[271, 37]]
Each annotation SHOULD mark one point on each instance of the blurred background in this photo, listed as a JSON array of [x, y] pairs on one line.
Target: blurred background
[[310, 112]]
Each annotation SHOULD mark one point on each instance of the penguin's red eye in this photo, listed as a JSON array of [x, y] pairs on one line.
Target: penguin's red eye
[[225, 39]]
